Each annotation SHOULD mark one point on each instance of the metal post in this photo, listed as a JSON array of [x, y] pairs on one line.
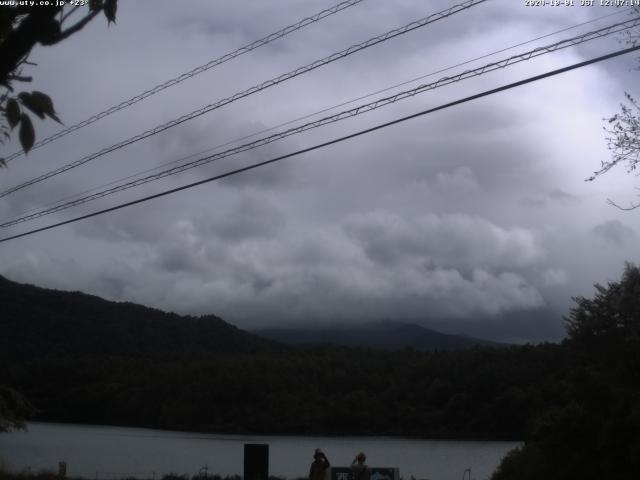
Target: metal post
[[256, 461]]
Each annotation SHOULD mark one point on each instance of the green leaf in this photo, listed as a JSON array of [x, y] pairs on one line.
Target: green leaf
[[13, 113], [27, 133], [110, 8]]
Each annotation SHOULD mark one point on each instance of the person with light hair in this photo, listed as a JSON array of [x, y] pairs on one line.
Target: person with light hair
[[359, 468]]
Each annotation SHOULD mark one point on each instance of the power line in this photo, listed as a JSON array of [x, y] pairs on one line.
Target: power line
[[269, 83], [336, 117], [192, 73], [304, 117], [331, 142]]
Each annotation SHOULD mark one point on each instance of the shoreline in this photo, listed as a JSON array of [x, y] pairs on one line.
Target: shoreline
[[256, 435]]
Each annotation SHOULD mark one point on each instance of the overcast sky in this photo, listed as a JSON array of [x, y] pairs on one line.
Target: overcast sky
[[474, 220]]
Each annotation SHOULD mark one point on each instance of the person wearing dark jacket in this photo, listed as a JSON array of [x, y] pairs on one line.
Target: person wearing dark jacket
[[319, 466]]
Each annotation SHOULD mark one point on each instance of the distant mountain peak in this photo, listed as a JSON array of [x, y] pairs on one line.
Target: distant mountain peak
[[381, 334]]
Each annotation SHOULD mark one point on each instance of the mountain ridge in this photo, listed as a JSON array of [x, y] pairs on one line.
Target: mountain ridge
[[73, 321], [76, 322], [386, 335]]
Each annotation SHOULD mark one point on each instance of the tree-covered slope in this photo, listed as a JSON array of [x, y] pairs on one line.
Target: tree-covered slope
[[37, 322]]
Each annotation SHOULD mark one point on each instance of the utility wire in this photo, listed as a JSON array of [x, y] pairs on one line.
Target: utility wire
[[335, 118], [192, 73], [331, 142], [304, 117], [269, 83]]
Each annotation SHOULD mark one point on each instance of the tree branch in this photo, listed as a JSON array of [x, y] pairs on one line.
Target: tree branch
[[19, 42], [20, 78], [77, 26], [631, 206]]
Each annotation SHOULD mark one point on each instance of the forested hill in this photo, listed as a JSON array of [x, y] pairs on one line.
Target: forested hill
[[37, 322], [82, 359], [382, 335]]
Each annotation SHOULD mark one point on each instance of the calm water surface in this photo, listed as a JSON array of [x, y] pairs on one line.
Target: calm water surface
[[110, 452]]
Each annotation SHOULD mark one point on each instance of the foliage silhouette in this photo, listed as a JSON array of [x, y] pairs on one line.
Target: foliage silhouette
[[623, 130], [23, 27], [595, 431]]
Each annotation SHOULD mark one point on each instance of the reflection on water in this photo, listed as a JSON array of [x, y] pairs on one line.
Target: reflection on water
[[108, 452]]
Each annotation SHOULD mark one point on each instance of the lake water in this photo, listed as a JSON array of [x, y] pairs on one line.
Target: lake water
[[113, 452]]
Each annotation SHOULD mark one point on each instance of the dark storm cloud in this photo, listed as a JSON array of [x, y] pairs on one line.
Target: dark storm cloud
[[249, 216], [555, 198], [267, 177], [253, 217], [211, 137], [444, 241], [615, 232], [533, 202], [432, 149], [180, 259], [562, 196], [111, 280], [324, 275], [134, 226]]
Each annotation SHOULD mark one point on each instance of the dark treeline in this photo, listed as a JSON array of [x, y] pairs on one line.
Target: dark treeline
[[324, 390]]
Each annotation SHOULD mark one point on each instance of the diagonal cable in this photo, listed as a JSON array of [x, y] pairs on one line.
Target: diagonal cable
[[328, 143], [310, 115], [536, 52], [306, 116], [257, 88], [192, 73]]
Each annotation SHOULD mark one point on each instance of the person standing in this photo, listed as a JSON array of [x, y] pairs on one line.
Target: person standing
[[319, 466], [359, 468]]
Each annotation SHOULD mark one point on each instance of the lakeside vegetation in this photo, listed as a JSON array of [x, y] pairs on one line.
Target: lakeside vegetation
[[594, 431], [6, 474]]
